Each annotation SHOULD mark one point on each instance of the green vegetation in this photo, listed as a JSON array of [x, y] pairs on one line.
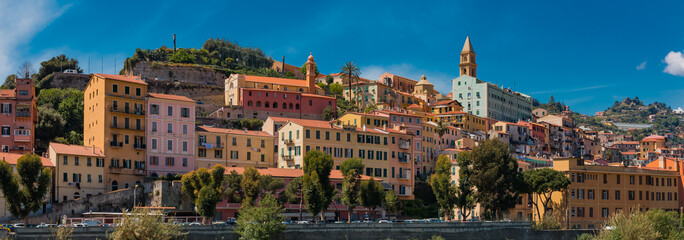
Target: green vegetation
[[260, 222], [371, 195], [145, 224], [9, 82], [318, 192], [543, 182], [351, 171], [440, 181], [294, 193], [248, 123], [24, 190], [654, 224], [391, 202], [351, 71], [205, 189], [495, 176], [329, 114], [253, 185], [465, 199]]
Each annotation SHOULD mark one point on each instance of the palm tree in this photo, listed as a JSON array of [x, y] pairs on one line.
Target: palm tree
[[441, 129], [351, 71]]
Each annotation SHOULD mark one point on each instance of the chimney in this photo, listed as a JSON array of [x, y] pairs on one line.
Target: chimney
[[661, 162], [384, 127], [364, 127], [93, 149]]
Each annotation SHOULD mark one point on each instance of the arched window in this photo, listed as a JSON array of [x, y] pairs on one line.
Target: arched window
[[301, 89], [275, 104], [297, 106], [77, 195], [267, 105], [249, 103], [284, 105], [115, 185], [126, 185], [291, 106], [258, 104], [265, 86]]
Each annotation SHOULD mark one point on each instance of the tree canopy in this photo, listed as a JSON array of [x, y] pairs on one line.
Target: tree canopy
[[440, 181], [465, 199], [24, 190], [318, 191], [372, 194], [205, 189], [496, 177], [351, 171], [543, 182], [261, 222]]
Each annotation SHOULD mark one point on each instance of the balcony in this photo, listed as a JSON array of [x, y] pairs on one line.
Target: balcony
[[210, 145], [23, 114], [115, 144], [289, 141], [140, 172], [404, 144], [127, 111], [140, 146], [287, 157], [141, 98], [127, 128], [115, 169]]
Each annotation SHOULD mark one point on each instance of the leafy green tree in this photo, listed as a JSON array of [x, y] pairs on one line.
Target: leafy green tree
[[24, 190], [261, 222], [270, 185], [551, 100], [391, 202], [351, 182], [314, 195], [632, 226], [543, 182], [336, 89], [182, 56], [495, 176], [329, 79], [351, 71], [371, 107], [250, 184], [441, 129], [68, 102], [302, 70], [254, 124], [372, 193], [328, 113], [50, 123], [294, 192], [9, 82], [440, 181], [323, 86], [57, 64], [234, 192], [321, 164], [205, 189], [465, 199], [143, 223]]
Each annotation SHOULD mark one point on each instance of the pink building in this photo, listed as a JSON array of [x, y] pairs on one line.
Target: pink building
[[18, 116], [411, 124], [170, 134], [264, 103]]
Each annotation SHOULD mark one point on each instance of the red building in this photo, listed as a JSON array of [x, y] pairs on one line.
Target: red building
[[336, 210], [262, 103], [18, 116]]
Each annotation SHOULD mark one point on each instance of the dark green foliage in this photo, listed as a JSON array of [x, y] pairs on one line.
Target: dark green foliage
[[329, 113], [234, 191], [261, 223], [351, 171], [318, 191], [182, 56], [50, 124], [440, 181], [303, 69], [495, 176], [314, 195], [9, 82], [350, 71], [294, 193], [57, 64], [55, 104], [205, 188], [465, 192], [543, 182], [372, 193], [391, 202], [336, 89], [416, 209], [329, 79], [24, 190], [250, 185]]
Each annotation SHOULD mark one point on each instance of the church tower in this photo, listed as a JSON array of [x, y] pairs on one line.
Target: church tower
[[468, 65], [311, 74]]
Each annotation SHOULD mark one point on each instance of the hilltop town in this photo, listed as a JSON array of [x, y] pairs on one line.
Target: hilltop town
[[120, 141]]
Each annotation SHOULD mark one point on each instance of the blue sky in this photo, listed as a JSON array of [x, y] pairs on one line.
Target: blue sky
[[587, 54]]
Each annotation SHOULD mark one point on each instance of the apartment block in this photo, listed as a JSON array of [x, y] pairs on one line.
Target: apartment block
[[114, 121], [233, 148], [170, 134], [79, 171], [18, 116]]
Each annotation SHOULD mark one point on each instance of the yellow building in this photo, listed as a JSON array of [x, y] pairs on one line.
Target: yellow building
[[114, 121], [385, 152], [360, 119], [597, 192], [463, 120], [233, 148], [651, 144], [79, 171], [445, 106]]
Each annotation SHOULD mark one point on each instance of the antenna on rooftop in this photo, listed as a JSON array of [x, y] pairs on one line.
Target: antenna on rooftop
[[174, 42], [102, 65]]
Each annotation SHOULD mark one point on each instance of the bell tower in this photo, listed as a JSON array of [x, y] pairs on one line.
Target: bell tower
[[468, 65], [311, 74]]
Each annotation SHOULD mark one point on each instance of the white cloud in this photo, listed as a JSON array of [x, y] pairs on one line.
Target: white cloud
[[441, 81], [641, 66], [572, 89], [21, 21], [675, 63]]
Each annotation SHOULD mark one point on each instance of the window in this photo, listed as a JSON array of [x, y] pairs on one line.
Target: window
[[185, 146], [137, 91], [185, 162], [154, 109], [617, 195], [185, 129], [65, 177], [169, 145], [127, 90], [170, 111], [115, 88], [89, 162], [169, 128], [5, 130], [154, 127], [75, 161], [218, 153], [170, 161], [185, 112], [604, 195], [154, 144], [99, 178]]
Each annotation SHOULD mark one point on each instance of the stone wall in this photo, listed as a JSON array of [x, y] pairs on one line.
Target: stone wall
[[69, 80], [177, 73], [461, 231]]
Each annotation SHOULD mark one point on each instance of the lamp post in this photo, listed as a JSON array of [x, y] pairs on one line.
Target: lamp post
[[134, 195]]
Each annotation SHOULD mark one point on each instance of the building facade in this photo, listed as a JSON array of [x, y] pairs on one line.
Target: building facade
[[18, 116], [171, 134], [114, 121], [233, 148], [79, 171]]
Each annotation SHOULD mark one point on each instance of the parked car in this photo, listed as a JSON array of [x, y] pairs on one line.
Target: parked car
[[220, 223], [194, 224], [92, 223], [70, 71], [78, 225], [19, 225], [340, 222], [384, 221], [303, 222]]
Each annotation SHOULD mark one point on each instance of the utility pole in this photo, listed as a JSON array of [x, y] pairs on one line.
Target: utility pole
[[174, 42]]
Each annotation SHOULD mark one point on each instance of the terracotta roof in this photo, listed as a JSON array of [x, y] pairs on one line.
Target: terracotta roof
[[628, 153], [311, 123], [289, 173], [7, 93], [413, 106], [170, 97], [78, 150], [449, 95], [453, 150], [450, 113], [233, 131], [12, 158], [443, 102], [653, 138], [628, 142], [131, 79], [317, 96], [395, 113], [278, 81]]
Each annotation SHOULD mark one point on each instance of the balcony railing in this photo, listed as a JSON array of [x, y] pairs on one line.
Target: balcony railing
[[23, 114], [210, 145], [404, 144], [289, 141], [125, 96], [140, 146], [127, 111], [287, 157], [116, 144]]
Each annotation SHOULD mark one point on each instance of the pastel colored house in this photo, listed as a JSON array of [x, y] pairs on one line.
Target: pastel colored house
[[170, 134], [79, 171], [18, 116]]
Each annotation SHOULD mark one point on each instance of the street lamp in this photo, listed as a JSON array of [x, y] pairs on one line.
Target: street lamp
[[134, 195]]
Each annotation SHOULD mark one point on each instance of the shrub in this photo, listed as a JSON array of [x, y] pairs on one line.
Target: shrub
[[145, 224]]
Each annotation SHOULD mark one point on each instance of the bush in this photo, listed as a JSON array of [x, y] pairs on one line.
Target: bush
[[145, 224]]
